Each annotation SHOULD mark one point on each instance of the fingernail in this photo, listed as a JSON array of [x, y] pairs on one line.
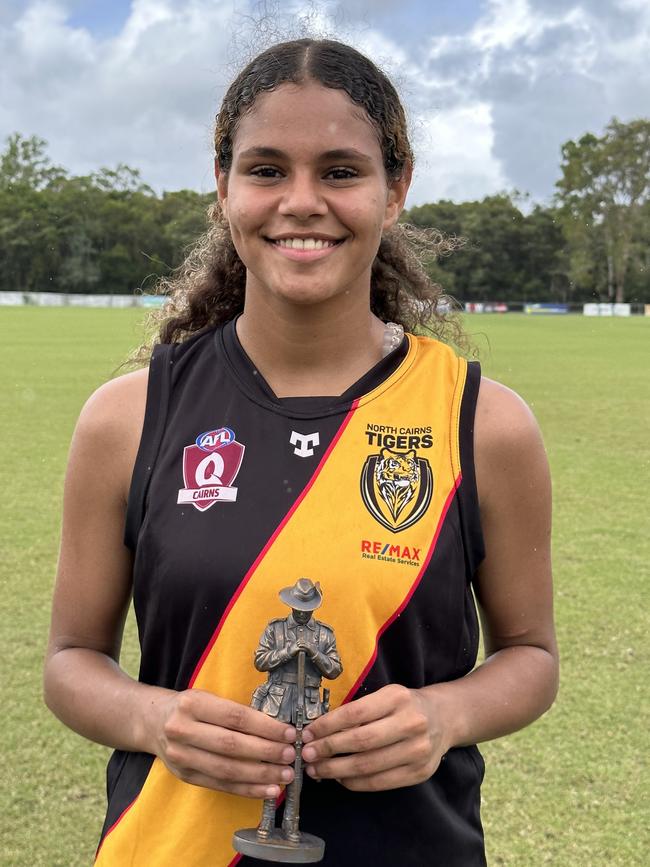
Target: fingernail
[[288, 754], [309, 753], [307, 736], [287, 774], [290, 735], [272, 792]]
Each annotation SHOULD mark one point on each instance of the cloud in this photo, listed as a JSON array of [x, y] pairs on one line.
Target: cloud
[[490, 100], [550, 71], [144, 97], [455, 148]]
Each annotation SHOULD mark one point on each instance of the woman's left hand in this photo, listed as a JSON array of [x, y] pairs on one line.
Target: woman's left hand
[[385, 740]]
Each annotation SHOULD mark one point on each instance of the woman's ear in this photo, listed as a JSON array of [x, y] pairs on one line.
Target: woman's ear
[[397, 190], [221, 178]]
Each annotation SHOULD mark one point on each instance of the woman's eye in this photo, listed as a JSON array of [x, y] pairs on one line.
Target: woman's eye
[[341, 174], [265, 172]]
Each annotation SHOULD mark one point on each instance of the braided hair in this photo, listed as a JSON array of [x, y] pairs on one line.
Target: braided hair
[[208, 288]]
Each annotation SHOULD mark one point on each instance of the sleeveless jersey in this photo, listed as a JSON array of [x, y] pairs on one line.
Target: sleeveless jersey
[[236, 494]]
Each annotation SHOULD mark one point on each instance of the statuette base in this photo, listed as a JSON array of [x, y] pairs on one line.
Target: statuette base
[[277, 848]]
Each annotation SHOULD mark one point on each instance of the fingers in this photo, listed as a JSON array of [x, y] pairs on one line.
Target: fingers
[[359, 712], [395, 778], [245, 790], [210, 709], [360, 739], [381, 741], [209, 741], [414, 753], [189, 762], [232, 744]]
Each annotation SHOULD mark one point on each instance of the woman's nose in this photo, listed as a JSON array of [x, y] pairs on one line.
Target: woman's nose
[[302, 197]]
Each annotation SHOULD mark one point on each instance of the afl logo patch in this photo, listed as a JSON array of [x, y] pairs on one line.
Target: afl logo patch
[[396, 488], [210, 466], [212, 440]]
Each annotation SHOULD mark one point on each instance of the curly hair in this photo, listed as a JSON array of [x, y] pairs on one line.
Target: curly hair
[[208, 288]]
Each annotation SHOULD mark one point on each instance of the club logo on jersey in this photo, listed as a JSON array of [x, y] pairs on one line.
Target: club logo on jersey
[[396, 488], [210, 466], [304, 443]]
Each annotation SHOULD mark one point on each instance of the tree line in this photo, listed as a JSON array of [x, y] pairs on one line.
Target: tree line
[[108, 232]]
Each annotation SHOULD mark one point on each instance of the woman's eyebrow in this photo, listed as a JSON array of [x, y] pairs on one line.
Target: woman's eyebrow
[[275, 153], [346, 154]]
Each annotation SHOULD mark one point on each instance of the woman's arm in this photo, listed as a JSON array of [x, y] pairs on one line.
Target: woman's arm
[[396, 736], [84, 685], [203, 739]]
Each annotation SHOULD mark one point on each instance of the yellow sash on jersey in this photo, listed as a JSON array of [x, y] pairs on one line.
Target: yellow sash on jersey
[[172, 822]]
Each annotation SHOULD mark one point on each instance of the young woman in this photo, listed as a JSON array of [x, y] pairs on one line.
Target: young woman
[[285, 428]]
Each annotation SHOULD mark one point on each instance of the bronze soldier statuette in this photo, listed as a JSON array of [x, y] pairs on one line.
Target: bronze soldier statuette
[[297, 652]]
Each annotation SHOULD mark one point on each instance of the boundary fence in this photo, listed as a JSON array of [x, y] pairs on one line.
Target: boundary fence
[[61, 299], [554, 309]]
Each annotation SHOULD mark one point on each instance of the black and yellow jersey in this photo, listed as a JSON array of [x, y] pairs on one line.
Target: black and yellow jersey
[[237, 493]]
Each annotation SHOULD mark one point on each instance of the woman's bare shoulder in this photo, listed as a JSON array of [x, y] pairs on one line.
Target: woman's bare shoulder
[[508, 443], [503, 418], [117, 407], [110, 425]]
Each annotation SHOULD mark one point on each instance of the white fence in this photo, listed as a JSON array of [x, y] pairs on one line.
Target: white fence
[[607, 310], [60, 299], [555, 309]]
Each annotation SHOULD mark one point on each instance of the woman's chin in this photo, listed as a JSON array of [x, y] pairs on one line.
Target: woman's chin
[[306, 296]]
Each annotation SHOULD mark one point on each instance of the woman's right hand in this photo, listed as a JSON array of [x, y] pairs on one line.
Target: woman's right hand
[[221, 744]]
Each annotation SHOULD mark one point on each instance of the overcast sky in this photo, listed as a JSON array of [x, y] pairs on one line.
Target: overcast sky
[[492, 87]]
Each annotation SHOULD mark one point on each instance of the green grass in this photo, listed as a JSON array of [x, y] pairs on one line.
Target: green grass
[[571, 790]]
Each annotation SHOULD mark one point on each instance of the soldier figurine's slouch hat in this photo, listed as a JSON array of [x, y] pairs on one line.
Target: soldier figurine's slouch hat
[[303, 596]]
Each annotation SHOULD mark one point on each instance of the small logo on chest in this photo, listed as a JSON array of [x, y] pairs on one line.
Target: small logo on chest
[[304, 443], [210, 466]]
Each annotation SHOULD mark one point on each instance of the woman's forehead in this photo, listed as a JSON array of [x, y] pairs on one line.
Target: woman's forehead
[[302, 113]]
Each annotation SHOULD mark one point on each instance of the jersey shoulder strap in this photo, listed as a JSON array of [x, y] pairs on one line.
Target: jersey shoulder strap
[[155, 417], [468, 501]]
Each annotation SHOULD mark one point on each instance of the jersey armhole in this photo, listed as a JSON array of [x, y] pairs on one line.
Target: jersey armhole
[[155, 416], [470, 515]]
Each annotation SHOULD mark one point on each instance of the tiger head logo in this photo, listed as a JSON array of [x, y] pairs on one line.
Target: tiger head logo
[[396, 488], [397, 476]]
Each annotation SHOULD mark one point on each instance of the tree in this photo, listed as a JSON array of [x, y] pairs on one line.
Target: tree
[[603, 191], [25, 164], [506, 256]]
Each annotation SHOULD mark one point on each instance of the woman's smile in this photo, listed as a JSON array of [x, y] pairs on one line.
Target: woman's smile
[[305, 248]]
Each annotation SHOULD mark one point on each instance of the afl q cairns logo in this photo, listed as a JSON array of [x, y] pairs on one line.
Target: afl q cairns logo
[[210, 466]]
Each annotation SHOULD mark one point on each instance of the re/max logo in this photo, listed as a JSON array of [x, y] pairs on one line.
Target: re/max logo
[[381, 549]]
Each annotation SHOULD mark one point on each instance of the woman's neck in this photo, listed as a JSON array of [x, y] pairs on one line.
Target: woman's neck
[[303, 350]]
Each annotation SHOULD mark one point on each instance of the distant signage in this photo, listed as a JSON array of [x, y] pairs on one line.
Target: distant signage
[[62, 299], [485, 307], [607, 309], [546, 308]]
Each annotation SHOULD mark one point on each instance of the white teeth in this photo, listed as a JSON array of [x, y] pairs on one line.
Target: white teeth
[[304, 243]]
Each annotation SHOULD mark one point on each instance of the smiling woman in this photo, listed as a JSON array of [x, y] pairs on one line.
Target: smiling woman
[[290, 423]]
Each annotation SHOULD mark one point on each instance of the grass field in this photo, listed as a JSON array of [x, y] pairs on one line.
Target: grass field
[[570, 791]]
